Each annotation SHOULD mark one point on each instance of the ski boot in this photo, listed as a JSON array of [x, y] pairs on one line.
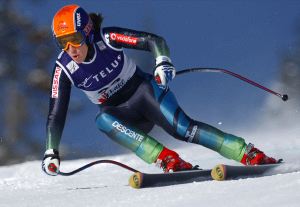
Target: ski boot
[[170, 161], [254, 156]]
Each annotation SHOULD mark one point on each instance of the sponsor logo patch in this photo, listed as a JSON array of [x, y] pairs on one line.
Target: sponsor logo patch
[[62, 26], [78, 19], [128, 132], [55, 82], [99, 76], [191, 135], [86, 83], [113, 88], [88, 27], [123, 38], [72, 66], [101, 45]]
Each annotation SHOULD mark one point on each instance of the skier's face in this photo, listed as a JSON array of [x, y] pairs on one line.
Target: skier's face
[[78, 54]]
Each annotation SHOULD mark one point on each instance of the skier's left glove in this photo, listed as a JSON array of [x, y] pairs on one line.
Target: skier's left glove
[[164, 71], [51, 162]]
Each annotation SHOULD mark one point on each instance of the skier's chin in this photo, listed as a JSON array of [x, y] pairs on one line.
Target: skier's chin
[[77, 58]]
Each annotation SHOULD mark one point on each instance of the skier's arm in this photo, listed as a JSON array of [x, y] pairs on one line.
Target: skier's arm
[[127, 38], [120, 37], [59, 101]]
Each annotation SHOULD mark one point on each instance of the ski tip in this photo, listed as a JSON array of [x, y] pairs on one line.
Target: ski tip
[[219, 172], [136, 180]]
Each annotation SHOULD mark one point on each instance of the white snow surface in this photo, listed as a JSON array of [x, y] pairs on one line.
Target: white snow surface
[[107, 185]]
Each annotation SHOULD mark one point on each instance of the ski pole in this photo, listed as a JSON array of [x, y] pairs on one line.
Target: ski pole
[[97, 162], [284, 97]]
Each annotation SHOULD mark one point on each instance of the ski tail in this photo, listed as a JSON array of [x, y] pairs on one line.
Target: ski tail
[[226, 172]]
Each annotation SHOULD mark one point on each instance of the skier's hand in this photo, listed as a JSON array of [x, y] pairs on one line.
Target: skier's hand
[[164, 71], [51, 161]]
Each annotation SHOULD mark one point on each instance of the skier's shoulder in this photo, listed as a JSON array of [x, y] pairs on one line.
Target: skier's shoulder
[[58, 71], [63, 61], [62, 56]]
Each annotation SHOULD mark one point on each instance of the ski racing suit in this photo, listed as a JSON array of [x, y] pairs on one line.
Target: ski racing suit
[[130, 101]]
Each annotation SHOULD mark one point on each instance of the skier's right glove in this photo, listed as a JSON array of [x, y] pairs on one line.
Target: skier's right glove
[[51, 161], [164, 71]]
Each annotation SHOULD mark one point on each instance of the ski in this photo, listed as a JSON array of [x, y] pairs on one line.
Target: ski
[[144, 180], [228, 172], [219, 172]]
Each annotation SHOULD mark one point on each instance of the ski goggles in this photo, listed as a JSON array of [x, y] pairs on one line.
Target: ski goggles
[[76, 39]]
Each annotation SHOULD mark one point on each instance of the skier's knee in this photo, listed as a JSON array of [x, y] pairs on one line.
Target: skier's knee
[[103, 122]]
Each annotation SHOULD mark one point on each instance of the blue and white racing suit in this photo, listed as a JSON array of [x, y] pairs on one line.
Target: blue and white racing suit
[[130, 101]]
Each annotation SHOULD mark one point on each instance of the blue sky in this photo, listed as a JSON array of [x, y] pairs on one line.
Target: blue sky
[[247, 37]]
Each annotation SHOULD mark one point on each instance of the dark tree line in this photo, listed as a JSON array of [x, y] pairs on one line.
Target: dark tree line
[[25, 51]]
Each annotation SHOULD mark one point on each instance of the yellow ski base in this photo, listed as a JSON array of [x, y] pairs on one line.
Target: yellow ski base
[[219, 172], [136, 180]]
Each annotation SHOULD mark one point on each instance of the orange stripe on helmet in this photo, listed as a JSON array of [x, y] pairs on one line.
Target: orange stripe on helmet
[[64, 21]]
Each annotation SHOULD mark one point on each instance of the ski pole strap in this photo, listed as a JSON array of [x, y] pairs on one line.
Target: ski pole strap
[[284, 97], [97, 162]]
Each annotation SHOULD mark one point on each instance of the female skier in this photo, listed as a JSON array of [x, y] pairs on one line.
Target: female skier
[[130, 101]]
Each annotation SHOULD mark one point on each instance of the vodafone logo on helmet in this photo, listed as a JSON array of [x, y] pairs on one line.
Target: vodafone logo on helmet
[[123, 38]]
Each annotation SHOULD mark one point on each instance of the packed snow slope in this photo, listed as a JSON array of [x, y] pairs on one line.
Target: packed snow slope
[[107, 185]]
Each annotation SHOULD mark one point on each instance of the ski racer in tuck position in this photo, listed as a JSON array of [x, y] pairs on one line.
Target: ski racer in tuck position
[[130, 101]]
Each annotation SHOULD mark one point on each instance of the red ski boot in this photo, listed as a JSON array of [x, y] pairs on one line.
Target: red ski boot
[[254, 156], [170, 161]]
